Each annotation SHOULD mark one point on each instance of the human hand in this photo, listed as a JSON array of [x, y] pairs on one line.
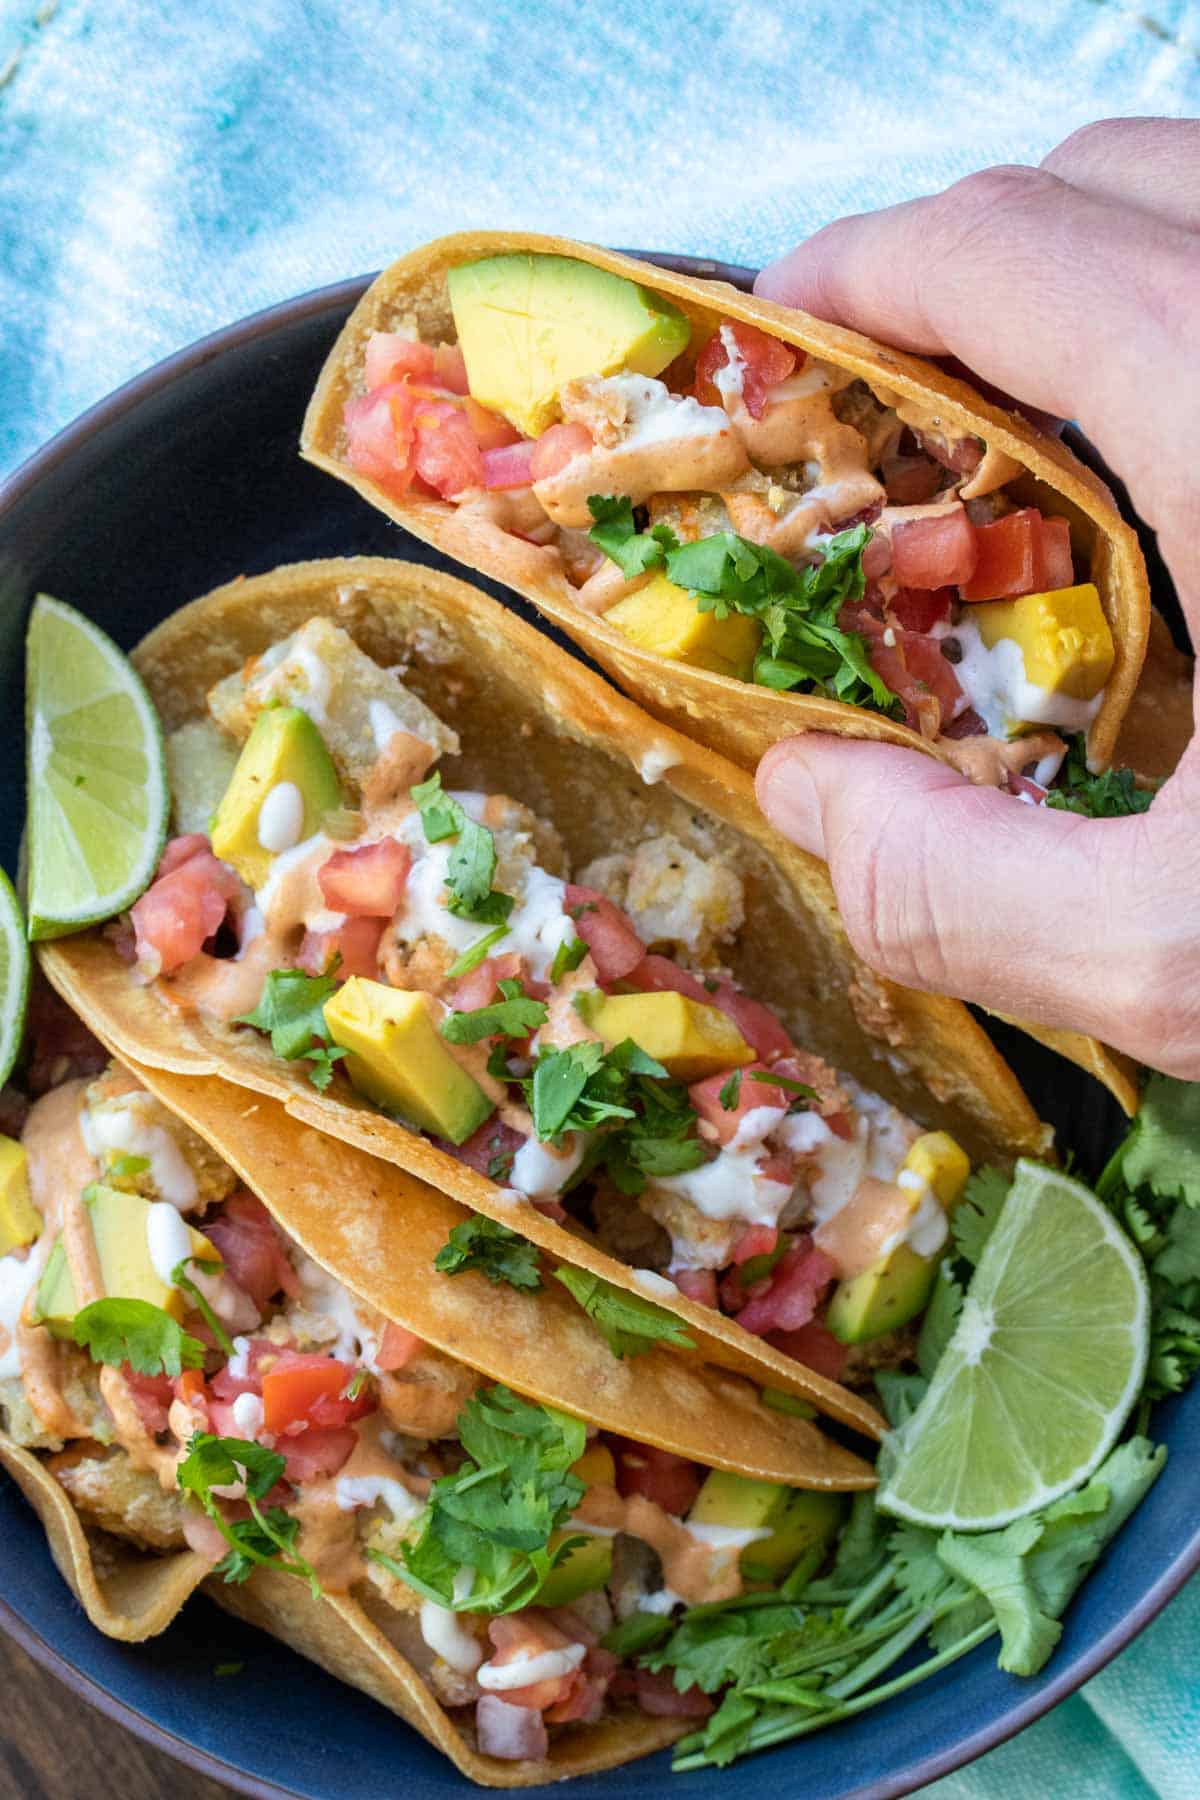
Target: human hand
[[1075, 287]]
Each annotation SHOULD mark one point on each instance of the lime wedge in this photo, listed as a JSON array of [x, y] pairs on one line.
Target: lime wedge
[[1048, 1358], [98, 794], [14, 977]]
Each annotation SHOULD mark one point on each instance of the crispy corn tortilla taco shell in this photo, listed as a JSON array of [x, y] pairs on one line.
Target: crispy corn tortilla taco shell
[[139, 1594], [737, 718], [378, 1230], [349, 1641], [536, 725]]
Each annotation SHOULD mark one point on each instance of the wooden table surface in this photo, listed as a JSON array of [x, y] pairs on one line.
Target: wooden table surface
[[53, 1746]]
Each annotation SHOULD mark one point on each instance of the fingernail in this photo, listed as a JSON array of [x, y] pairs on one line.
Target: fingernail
[[788, 796]]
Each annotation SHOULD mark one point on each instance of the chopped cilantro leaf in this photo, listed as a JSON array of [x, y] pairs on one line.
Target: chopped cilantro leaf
[[1162, 1150], [267, 1537], [441, 816], [1113, 794], [974, 1217], [514, 1015], [292, 1009], [183, 1281], [616, 533], [731, 1091], [116, 1331], [494, 1250], [568, 956], [472, 861], [631, 1325], [472, 957]]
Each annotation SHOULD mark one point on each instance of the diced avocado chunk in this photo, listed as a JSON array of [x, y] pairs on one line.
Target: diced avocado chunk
[[897, 1287], [589, 1566], [1065, 639], [398, 1059], [284, 750], [691, 1040], [56, 1305], [798, 1519], [527, 324], [120, 1223], [662, 617], [20, 1221]]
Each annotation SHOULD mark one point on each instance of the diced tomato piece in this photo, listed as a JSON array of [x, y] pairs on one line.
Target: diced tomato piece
[[489, 1150], [795, 1289], [659, 975], [390, 357], [761, 1029], [189, 1386], [492, 431], [397, 1347], [584, 1701], [915, 670], [935, 552], [1008, 557], [222, 1420], [840, 1124], [316, 1453], [765, 362], [368, 881], [920, 609], [756, 1240], [910, 480], [305, 1388], [699, 1285], [509, 467], [1057, 565], [260, 1353], [518, 1637], [511, 1733], [450, 368], [480, 986], [177, 915], [608, 933], [1025, 789], [202, 1535], [445, 453], [179, 850], [151, 1395], [658, 1694], [557, 447], [813, 1345], [252, 1250], [705, 1096], [877, 556], [672, 1482], [355, 945], [379, 434]]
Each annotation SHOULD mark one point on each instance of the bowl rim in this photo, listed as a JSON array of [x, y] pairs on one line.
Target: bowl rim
[[917, 1774]]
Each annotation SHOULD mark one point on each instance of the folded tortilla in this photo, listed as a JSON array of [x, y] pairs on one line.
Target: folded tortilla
[[738, 718], [535, 724]]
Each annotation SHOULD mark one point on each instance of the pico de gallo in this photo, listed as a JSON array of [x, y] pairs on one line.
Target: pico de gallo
[[728, 501]]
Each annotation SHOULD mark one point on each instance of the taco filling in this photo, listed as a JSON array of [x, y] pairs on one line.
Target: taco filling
[[574, 1036], [729, 502], [189, 1376]]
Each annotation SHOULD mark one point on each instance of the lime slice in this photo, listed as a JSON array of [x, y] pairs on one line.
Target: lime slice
[[14, 977], [98, 795], [1048, 1358]]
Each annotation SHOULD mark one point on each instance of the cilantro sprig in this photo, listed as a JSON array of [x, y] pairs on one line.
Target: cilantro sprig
[[497, 1513], [292, 1010], [184, 1282], [731, 1090], [494, 1250], [472, 860], [514, 1015], [804, 646], [117, 1331], [645, 1125], [1113, 794], [267, 1539], [631, 1325]]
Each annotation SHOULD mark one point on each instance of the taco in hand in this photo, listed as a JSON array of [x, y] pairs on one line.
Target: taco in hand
[[757, 522]]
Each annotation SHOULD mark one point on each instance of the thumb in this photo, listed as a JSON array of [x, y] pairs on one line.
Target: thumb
[[1090, 924]]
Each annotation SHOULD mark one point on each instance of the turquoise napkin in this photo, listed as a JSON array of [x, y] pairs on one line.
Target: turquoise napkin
[[166, 169]]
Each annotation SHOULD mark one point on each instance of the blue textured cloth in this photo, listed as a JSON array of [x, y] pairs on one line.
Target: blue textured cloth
[[166, 169]]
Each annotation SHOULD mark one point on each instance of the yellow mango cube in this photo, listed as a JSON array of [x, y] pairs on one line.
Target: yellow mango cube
[[941, 1164], [664, 618], [689, 1039], [20, 1221], [1064, 637]]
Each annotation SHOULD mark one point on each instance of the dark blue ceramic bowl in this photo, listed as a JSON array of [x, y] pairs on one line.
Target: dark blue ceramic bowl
[[181, 480]]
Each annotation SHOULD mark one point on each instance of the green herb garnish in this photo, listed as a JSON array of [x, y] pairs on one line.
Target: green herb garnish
[[267, 1539], [514, 1015], [292, 1010], [631, 1325], [117, 1331], [492, 1249]]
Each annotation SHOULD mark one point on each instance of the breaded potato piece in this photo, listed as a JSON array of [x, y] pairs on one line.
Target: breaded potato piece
[[675, 897], [125, 1501]]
